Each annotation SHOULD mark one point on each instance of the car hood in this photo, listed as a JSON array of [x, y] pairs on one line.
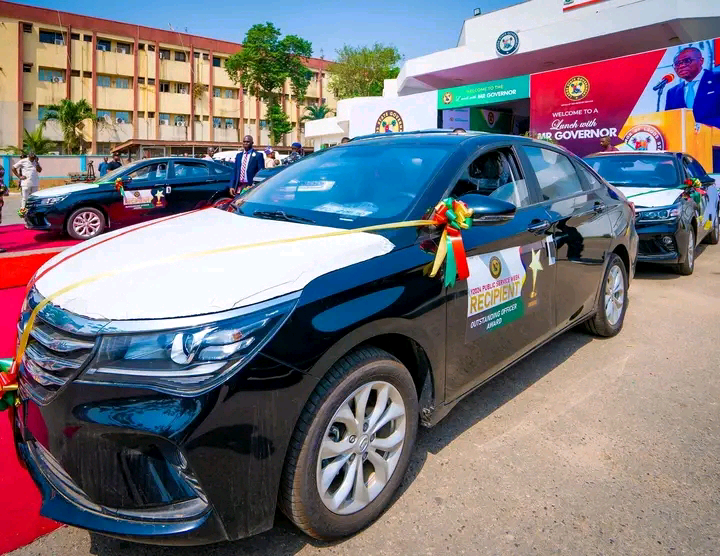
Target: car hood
[[207, 283], [650, 196], [65, 189]]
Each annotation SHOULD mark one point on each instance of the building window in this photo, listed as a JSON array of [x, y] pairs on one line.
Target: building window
[[27, 107], [104, 81], [87, 74], [217, 123], [182, 88], [263, 124], [197, 118], [123, 48], [217, 92], [229, 123], [87, 38], [27, 27], [180, 56], [151, 114], [206, 56], [151, 81], [196, 55], [216, 62], [51, 37], [75, 73], [180, 120], [75, 36], [164, 119], [105, 115], [151, 48], [164, 87], [244, 91], [164, 54], [141, 80], [27, 68], [141, 46], [122, 83], [122, 117], [230, 93], [54, 76], [104, 45], [42, 110]]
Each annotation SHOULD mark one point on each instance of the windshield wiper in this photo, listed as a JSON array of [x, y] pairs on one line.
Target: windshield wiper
[[282, 215]]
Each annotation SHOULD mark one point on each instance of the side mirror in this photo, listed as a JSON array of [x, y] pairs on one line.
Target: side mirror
[[487, 210]]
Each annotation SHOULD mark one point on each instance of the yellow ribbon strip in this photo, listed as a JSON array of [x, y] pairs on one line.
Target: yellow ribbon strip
[[25, 338]]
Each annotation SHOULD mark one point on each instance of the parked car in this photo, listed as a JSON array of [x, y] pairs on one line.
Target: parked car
[[151, 188], [182, 399], [669, 222]]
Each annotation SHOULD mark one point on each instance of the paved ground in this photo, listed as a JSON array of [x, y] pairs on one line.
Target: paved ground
[[9, 210], [588, 447]]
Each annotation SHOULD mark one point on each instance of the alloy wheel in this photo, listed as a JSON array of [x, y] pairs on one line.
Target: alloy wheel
[[86, 224], [361, 447], [614, 295]]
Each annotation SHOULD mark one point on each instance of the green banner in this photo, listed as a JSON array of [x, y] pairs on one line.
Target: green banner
[[491, 92]]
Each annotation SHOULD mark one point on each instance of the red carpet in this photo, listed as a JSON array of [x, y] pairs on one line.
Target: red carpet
[[15, 238], [21, 519], [17, 271]]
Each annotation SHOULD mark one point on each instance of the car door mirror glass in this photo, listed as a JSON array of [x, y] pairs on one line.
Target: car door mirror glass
[[487, 210]]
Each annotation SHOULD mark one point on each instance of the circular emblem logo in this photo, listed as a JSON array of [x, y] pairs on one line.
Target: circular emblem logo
[[645, 138], [507, 43], [389, 122], [495, 267], [447, 98], [577, 88], [136, 193]]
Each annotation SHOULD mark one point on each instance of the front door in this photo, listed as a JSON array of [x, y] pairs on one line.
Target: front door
[[506, 305], [193, 184], [144, 196], [581, 230]]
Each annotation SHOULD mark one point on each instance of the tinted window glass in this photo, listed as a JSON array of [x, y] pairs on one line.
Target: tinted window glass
[[151, 172], [694, 168], [495, 174], [592, 181], [190, 170], [640, 170], [555, 173]]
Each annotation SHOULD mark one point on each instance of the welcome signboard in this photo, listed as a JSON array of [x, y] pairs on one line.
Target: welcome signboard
[[479, 94]]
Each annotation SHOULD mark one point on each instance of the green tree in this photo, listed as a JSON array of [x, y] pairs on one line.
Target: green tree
[[33, 142], [317, 112], [264, 64], [71, 117], [360, 71]]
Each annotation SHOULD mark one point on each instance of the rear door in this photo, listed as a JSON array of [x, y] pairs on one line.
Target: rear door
[[506, 305], [708, 210], [193, 183], [581, 230]]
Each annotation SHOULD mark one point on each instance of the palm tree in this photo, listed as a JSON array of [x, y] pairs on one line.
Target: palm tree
[[71, 116], [316, 112], [33, 142]]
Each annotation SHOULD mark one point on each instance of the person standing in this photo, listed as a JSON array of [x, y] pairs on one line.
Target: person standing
[[210, 153], [103, 167], [27, 170], [3, 192], [605, 145], [270, 160], [247, 164], [344, 140], [115, 163], [295, 155]]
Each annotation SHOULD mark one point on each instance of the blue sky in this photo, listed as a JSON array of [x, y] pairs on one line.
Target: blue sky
[[416, 27]]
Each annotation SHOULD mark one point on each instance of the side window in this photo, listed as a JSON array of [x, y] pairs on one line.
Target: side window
[[218, 170], [694, 168], [592, 181], [149, 172], [191, 170], [555, 173], [496, 174]]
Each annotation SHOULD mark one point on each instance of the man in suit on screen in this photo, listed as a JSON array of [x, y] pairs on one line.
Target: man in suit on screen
[[699, 89]]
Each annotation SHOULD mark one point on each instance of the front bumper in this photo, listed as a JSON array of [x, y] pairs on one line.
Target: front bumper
[[44, 217], [662, 243]]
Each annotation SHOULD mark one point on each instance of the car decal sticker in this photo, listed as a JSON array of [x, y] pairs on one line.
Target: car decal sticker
[[138, 198], [502, 286]]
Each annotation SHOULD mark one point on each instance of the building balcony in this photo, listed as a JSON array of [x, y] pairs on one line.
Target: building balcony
[[81, 87], [221, 79], [49, 93], [146, 98], [226, 107], [52, 130], [202, 131], [114, 63], [109, 98], [114, 133], [146, 128], [47, 55], [174, 103], [170, 70], [81, 55], [226, 135], [174, 133]]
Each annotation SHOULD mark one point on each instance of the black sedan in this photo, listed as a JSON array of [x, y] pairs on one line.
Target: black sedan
[[676, 202], [280, 353], [150, 188]]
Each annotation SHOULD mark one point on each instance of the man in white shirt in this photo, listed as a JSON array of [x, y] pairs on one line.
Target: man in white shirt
[[27, 170], [209, 155]]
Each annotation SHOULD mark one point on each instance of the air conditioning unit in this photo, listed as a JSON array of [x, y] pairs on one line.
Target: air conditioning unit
[[164, 122], [59, 42], [180, 124], [119, 121], [107, 119], [57, 79]]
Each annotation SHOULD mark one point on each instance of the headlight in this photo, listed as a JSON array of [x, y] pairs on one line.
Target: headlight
[[52, 200], [656, 214], [187, 361]]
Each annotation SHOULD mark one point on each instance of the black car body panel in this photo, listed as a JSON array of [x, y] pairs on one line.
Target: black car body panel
[[207, 182], [158, 468]]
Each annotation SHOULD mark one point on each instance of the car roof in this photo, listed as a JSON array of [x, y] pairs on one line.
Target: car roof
[[626, 153], [437, 136]]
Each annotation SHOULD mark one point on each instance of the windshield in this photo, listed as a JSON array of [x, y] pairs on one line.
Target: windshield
[[638, 171], [351, 186], [110, 176]]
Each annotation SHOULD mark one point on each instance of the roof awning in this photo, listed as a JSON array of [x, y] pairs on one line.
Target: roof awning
[[325, 128]]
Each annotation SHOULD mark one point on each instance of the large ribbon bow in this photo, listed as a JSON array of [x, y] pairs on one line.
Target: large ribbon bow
[[8, 384], [119, 186], [455, 216]]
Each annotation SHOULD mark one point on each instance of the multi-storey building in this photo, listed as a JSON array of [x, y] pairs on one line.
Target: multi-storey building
[[153, 88]]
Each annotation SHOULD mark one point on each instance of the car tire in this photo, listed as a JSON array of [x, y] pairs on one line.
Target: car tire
[[222, 202], [687, 267], [713, 238], [315, 493], [85, 223], [612, 302]]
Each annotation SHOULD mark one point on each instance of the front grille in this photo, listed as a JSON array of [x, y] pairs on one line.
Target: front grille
[[655, 246], [58, 349]]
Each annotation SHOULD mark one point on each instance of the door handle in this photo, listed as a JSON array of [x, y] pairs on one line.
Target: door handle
[[538, 226], [598, 207]]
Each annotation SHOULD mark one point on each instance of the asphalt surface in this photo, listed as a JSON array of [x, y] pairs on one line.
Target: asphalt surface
[[587, 447], [10, 208]]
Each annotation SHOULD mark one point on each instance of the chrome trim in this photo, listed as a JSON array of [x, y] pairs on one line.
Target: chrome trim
[[43, 334], [39, 375], [49, 362]]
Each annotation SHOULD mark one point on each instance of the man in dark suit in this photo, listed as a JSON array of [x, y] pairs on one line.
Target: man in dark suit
[[699, 90], [247, 164]]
